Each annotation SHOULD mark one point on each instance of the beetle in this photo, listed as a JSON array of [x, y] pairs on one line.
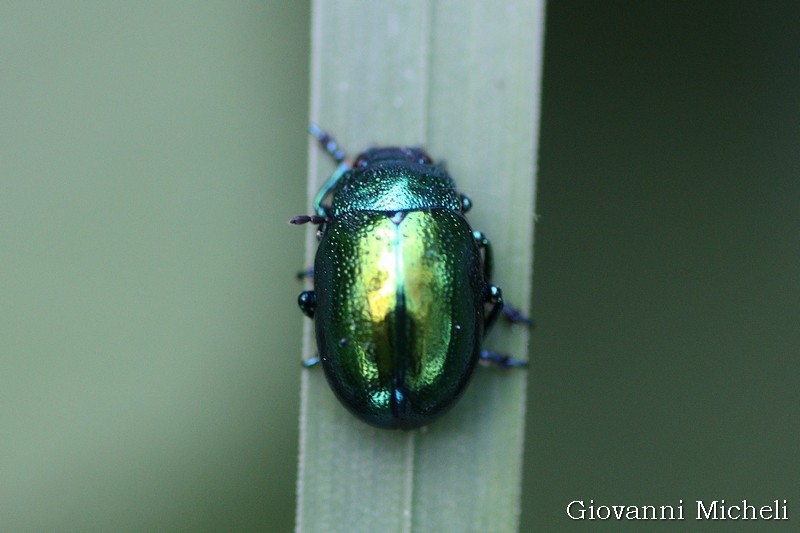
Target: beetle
[[402, 294]]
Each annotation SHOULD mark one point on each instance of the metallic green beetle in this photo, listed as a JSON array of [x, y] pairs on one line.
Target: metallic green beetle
[[401, 287]]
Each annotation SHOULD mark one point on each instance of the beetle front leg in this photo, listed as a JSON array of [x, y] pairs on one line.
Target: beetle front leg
[[328, 143], [466, 203]]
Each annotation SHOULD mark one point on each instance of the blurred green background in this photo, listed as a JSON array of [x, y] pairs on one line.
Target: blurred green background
[[151, 153], [667, 271]]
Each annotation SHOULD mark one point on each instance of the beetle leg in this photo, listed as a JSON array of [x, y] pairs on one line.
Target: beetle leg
[[493, 296], [307, 300], [307, 273], [466, 203], [485, 245], [516, 316], [500, 360], [328, 143], [510, 313], [311, 361]]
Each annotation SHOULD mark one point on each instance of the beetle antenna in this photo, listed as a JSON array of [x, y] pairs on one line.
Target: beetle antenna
[[305, 219], [327, 142]]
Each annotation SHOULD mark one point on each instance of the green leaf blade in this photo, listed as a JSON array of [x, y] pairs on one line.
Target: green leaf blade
[[461, 79]]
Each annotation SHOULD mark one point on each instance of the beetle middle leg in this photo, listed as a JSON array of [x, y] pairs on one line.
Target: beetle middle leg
[[488, 260], [492, 295], [510, 313]]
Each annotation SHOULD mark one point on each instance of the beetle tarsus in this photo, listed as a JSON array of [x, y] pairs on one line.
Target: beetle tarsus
[[500, 360], [327, 142], [516, 316], [307, 273], [311, 361]]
